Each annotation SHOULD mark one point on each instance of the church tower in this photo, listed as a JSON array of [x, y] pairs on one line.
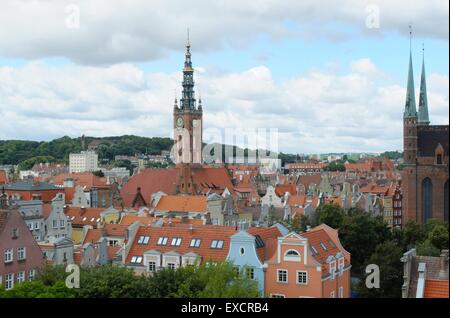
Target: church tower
[[187, 127], [410, 118]]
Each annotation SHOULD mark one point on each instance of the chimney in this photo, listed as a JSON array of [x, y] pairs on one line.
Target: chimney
[[191, 229], [308, 228], [443, 271], [82, 209]]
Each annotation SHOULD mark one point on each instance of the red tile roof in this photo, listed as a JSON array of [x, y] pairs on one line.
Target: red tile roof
[[46, 210], [281, 189], [84, 179], [206, 234], [129, 219], [83, 216], [3, 177], [182, 203], [150, 181], [436, 288], [328, 237]]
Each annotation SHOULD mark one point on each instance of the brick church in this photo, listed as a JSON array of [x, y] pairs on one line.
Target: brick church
[[425, 154]]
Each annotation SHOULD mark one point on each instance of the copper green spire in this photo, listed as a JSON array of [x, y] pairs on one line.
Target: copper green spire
[[423, 100], [410, 104]]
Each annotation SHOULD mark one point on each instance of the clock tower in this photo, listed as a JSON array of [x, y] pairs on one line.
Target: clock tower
[[187, 127]]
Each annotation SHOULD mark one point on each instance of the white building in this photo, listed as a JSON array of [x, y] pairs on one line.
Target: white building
[[83, 162]]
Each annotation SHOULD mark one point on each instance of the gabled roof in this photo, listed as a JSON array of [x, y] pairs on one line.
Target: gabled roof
[[150, 181], [281, 189], [326, 244]]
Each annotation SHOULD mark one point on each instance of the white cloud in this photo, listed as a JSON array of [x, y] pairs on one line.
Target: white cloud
[[314, 112], [117, 31]]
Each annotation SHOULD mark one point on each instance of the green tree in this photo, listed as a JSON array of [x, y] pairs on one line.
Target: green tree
[[387, 256], [98, 173], [332, 215], [360, 233]]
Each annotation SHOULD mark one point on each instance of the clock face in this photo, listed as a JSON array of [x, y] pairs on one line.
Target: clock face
[[196, 123], [180, 122]]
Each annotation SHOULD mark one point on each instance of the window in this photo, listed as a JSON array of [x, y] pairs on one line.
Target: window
[[427, 201], [332, 294], [162, 240], [341, 292], [332, 266], [176, 241], [195, 243], [152, 266], [292, 255], [15, 233], [30, 226], [9, 281], [20, 277], [302, 277], [276, 296], [136, 259], [171, 265], [323, 246], [250, 272], [36, 225], [439, 159], [282, 276], [242, 251], [341, 263], [8, 256], [143, 239], [31, 273], [217, 244], [21, 253], [313, 250], [61, 223]]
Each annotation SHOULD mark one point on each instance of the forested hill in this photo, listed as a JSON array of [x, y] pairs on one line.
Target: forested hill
[[58, 150]]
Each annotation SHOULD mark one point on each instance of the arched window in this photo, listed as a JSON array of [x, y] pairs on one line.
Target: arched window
[[446, 201], [427, 199], [292, 255]]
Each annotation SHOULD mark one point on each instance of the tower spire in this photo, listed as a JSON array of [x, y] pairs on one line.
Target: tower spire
[[188, 99], [410, 104], [423, 100]]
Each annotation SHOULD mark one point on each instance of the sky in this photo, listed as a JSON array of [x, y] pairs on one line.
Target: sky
[[328, 76]]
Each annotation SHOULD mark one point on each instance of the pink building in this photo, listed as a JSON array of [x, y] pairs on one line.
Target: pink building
[[309, 264], [20, 254]]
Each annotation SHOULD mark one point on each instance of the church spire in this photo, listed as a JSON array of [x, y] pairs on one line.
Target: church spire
[[410, 104], [423, 100], [188, 99]]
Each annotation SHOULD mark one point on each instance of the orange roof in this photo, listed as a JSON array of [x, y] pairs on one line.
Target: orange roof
[[206, 234], [147, 220], [375, 189], [281, 189], [436, 288], [46, 210], [84, 179], [83, 216], [111, 230], [325, 244], [150, 181], [307, 165], [3, 177], [182, 203]]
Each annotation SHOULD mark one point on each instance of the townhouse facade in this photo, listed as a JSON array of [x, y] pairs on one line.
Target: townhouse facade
[[21, 256]]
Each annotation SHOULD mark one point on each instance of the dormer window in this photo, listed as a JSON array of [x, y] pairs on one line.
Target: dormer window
[[439, 154]]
